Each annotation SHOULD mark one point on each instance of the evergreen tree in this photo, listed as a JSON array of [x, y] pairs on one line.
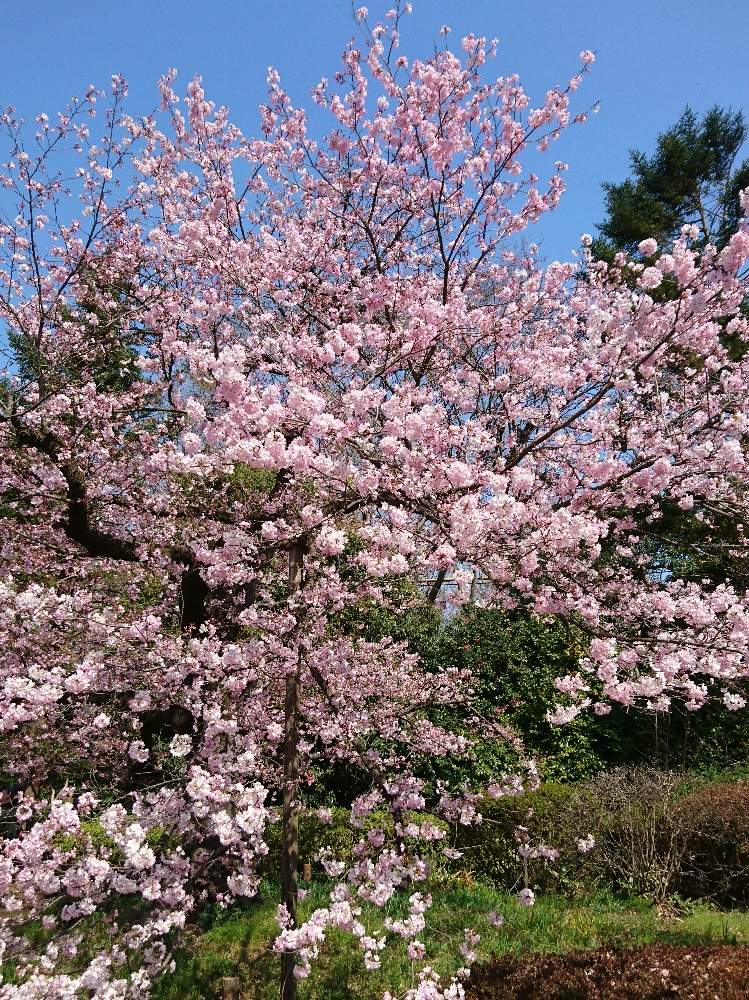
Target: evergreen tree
[[693, 177]]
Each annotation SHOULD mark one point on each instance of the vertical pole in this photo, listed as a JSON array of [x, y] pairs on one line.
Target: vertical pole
[[290, 835], [474, 587], [230, 989]]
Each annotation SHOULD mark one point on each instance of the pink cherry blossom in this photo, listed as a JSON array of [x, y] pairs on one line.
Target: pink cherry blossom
[[257, 379]]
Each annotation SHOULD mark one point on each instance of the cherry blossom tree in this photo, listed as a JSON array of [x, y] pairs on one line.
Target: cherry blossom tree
[[251, 381]]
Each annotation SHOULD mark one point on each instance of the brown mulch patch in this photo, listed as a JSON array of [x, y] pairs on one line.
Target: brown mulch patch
[[658, 972]]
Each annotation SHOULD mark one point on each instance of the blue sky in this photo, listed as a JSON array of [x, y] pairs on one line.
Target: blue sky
[[653, 57]]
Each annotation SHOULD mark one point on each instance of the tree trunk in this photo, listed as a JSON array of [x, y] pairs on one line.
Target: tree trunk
[[290, 836]]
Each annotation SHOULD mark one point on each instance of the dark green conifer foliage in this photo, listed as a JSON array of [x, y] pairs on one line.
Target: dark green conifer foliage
[[694, 176]]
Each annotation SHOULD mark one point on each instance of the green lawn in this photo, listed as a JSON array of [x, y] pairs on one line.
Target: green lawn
[[237, 944]]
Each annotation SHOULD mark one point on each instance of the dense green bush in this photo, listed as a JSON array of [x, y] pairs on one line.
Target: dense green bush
[[317, 836], [314, 836], [714, 825], [515, 658], [550, 814], [657, 833]]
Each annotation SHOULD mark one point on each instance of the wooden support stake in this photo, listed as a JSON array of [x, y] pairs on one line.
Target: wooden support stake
[[307, 872], [230, 988]]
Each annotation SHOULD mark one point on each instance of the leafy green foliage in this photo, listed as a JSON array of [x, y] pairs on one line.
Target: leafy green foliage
[[515, 658], [315, 836], [679, 739], [551, 813], [694, 548], [691, 178]]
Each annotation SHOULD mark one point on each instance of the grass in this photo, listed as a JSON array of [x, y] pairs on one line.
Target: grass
[[238, 942]]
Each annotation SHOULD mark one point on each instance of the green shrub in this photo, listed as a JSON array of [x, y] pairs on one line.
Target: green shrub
[[714, 824], [515, 657], [656, 833], [549, 813], [315, 836]]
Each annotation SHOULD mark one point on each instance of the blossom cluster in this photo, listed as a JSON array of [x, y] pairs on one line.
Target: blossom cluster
[[255, 381]]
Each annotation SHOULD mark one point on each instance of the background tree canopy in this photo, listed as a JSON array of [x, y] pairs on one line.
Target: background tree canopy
[[694, 176]]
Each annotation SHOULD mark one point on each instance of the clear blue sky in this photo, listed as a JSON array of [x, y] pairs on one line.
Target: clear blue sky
[[654, 56]]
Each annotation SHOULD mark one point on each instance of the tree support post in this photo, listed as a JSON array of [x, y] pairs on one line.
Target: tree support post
[[290, 833]]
